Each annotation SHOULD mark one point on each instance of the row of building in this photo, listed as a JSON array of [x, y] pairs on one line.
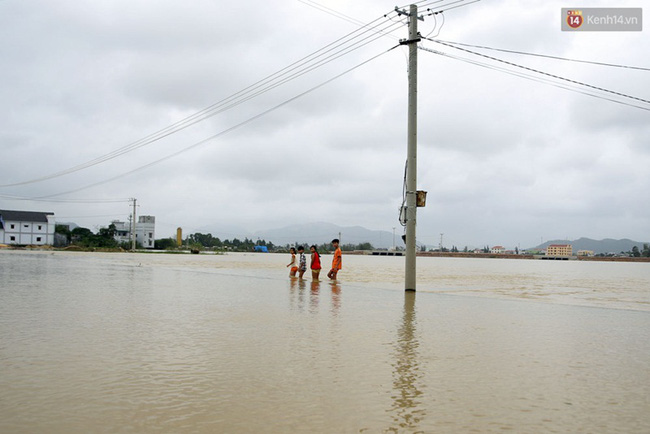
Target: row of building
[[551, 250], [38, 229]]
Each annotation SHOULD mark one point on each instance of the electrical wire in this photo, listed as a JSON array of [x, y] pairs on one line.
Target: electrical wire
[[248, 93], [542, 79], [580, 83], [444, 8], [547, 56], [436, 25], [89, 216], [41, 199], [326, 54], [224, 132], [331, 11]]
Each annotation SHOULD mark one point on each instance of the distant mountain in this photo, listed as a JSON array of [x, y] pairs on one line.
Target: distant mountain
[[223, 231], [607, 245], [319, 233]]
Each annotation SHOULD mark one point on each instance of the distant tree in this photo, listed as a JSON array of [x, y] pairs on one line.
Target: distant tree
[[81, 232], [108, 232], [106, 237], [63, 230], [635, 252], [84, 237], [165, 244], [204, 240], [646, 251]]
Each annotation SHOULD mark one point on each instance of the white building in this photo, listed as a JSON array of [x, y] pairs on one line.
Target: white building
[[498, 250], [27, 227], [145, 231]]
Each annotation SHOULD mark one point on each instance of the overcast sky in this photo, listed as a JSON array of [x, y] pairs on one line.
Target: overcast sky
[[505, 160]]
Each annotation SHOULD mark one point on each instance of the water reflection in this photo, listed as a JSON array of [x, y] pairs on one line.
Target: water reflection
[[297, 289], [313, 299], [406, 410], [336, 297], [298, 293]]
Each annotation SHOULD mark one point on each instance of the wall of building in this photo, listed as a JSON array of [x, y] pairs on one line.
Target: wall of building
[[559, 250], [28, 232], [145, 231]]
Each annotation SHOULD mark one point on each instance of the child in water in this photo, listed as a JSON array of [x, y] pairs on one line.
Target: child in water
[[315, 263], [337, 262], [293, 264], [302, 261]]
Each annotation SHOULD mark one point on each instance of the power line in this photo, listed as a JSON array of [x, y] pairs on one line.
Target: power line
[[226, 131], [532, 78], [620, 94], [89, 216], [316, 59], [272, 81], [42, 199], [331, 11], [435, 20], [444, 7], [547, 56]]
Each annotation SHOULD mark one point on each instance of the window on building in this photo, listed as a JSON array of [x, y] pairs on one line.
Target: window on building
[[13, 226], [26, 225], [38, 239], [13, 238], [40, 227]]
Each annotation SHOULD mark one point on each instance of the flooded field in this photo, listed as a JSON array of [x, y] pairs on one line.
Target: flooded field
[[94, 342]]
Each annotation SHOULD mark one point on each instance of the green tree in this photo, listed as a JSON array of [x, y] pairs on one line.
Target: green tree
[[84, 237], [165, 244], [106, 237], [63, 230]]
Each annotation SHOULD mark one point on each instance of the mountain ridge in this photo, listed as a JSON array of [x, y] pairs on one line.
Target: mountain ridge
[[606, 245], [323, 232]]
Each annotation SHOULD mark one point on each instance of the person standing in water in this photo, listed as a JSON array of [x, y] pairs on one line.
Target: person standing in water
[[293, 264], [302, 261], [315, 263], [337, 261]]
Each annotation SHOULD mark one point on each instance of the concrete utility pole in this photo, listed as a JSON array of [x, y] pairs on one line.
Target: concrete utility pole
[[412, 133], [133, 226]]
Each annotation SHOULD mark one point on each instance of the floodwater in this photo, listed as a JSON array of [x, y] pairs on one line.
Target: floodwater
[[129, 343]]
